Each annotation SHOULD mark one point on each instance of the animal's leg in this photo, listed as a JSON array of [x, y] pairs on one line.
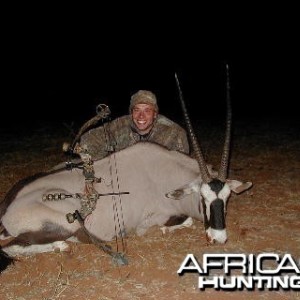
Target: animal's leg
[[149, 220], [14, 250], [187, 223], [50, 238], [175, 220]]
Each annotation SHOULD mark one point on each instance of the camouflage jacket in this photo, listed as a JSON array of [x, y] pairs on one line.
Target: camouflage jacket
[[120, 133]]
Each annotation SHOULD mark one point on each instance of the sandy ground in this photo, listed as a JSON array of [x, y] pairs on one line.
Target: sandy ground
[[262, 220]]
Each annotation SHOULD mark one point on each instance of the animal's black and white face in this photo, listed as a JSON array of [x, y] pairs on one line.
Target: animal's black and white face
[[215, 195], [213, 198]]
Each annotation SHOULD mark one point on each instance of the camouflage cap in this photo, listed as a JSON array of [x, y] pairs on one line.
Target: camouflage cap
[[143, 97]]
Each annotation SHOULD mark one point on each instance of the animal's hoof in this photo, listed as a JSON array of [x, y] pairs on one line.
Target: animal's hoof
[[61, 246]]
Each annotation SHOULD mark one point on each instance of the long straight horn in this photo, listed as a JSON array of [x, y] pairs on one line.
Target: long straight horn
[[225, 156], [196, 147]]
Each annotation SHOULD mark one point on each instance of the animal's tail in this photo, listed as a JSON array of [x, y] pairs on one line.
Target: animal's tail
[[5, 260]]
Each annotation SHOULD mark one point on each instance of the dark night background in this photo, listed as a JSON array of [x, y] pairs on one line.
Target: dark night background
[[59, 67]]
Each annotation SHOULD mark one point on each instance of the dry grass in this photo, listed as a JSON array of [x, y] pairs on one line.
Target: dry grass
[[264, 219]]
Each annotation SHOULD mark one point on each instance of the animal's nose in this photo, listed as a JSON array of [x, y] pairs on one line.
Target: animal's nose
[[225, 241], [212, 240]]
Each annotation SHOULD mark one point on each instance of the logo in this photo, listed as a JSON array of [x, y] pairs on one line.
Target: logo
[[266, 271]]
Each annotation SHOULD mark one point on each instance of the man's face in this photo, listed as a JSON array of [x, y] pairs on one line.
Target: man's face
[[143, 116]]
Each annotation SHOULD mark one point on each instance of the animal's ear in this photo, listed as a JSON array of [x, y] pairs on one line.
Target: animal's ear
[[238, 186], [185, 190]]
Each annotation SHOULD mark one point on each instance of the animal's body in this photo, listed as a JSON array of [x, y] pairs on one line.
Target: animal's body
[[147, 171]]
